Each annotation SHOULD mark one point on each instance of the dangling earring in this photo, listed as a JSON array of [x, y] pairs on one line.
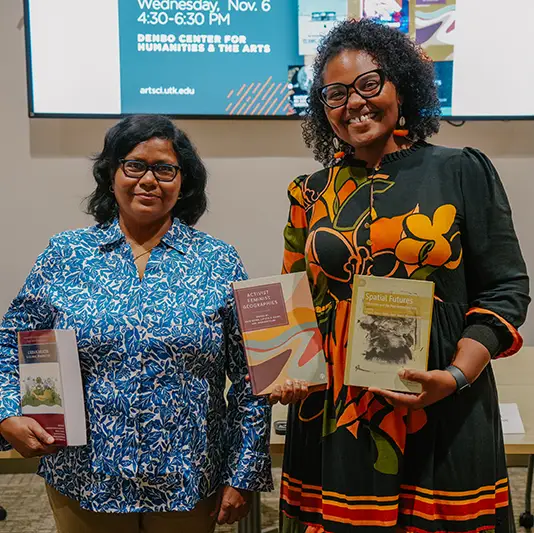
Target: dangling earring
[[339, 154], [400, 130]]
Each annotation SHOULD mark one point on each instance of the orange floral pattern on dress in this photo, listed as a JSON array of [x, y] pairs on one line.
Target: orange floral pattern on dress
[[387, 232], [426, 243], [417, 243]]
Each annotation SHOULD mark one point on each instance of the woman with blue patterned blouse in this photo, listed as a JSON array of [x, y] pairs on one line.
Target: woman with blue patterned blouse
[[151, 303]]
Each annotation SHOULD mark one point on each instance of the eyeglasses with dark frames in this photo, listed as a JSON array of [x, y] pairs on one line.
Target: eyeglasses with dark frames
[[366, 85], [135, 169]]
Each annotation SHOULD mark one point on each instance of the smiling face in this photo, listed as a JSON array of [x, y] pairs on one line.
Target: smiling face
[[361, 122], [146, 200]]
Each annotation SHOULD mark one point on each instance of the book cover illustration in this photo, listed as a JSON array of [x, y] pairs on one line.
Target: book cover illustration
[[280, 333], [389, 330], [49, 379], [40, 391]]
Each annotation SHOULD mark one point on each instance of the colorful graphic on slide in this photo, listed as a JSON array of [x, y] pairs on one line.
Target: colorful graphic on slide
[[435, 21], [394, 13], [316, 19]]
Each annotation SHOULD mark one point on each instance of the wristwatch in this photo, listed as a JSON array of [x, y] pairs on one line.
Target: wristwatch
[[459, 377]]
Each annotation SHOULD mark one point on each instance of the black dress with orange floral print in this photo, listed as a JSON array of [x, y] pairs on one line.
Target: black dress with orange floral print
[[352, 461]]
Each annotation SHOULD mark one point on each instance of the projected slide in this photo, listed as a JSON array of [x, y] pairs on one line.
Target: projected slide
[[210, 57], [253, 58]]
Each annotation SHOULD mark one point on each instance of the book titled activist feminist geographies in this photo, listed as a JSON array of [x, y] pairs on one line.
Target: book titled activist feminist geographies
[[389, 331], [280, 334], [51, 387]]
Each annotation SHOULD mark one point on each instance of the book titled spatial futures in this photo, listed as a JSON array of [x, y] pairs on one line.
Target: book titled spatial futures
[[389, 330], [280, 334]]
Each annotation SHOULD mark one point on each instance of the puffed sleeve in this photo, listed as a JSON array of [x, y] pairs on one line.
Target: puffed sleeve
[[496, 274]]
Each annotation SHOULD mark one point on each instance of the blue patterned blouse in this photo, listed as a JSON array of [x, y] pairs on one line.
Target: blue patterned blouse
[[154, 355]]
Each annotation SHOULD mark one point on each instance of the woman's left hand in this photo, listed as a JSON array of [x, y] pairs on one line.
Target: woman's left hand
[[437, 384], [232, 505]]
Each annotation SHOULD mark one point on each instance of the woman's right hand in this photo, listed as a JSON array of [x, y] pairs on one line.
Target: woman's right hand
[[27, 436], [293, 391]]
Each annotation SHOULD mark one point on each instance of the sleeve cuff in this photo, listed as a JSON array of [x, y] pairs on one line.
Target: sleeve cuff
[[252, 472], [486, 336], [4, 445]]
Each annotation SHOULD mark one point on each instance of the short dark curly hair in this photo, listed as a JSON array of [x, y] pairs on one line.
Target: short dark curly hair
[[403, 63], [120, 140]]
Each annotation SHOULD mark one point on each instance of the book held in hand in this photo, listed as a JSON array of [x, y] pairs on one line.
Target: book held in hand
[[280, 334], [389, 330], [51, 387]]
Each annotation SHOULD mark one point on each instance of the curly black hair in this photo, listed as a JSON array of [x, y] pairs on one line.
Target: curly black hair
[[120, 140], [403, 63]]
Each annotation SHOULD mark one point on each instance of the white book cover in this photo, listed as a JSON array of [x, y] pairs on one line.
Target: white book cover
[[389, 330], [51, 388]]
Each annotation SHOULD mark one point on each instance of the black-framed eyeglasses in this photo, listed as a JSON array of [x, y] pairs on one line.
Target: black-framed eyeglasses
[[367, 85], [135, 169]]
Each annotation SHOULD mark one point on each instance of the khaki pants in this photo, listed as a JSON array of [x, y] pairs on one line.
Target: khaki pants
[[70, 518]]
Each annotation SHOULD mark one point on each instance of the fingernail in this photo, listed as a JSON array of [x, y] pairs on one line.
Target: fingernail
[[289, 382], [50, 440]]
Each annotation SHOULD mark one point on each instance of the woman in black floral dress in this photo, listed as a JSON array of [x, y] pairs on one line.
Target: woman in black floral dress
[[390, 204]]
